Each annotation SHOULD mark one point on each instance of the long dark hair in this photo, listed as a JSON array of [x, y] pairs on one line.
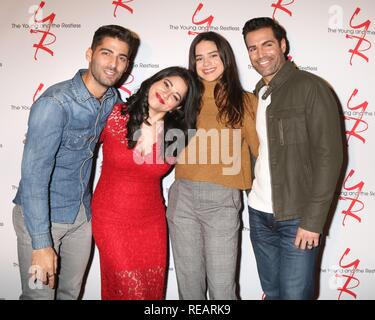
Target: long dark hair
[[183, 118], [228, 93]]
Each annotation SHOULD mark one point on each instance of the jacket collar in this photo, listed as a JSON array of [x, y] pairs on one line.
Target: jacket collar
[[80, 90], [278, 80]]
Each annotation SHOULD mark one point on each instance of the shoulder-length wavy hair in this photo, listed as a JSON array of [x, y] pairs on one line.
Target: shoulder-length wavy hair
[[183, 118], [228, 93]]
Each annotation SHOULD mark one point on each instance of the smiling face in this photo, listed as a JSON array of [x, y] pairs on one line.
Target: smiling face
[[209, 65], [107, 63], [265, 52], [165, 95]]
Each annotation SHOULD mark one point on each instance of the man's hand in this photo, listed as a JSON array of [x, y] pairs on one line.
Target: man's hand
[[306, 239], [44, 265]]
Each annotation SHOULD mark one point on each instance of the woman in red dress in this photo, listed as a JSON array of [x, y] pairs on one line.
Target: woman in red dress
[[128, 220]]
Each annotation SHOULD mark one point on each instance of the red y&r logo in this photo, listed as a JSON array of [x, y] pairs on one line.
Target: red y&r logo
[[208, 20], [357, 51], [121, 3], [281, 6], [352, 194], [128, 81], [355, 130], [42, 45], [40, 87], [348, 286]]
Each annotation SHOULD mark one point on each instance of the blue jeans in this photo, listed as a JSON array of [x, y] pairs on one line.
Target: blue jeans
[[285, 272]]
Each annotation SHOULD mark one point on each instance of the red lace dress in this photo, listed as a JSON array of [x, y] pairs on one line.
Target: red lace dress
[[129, 223]]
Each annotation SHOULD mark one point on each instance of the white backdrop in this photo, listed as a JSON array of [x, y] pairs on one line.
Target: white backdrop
[[334, 39]]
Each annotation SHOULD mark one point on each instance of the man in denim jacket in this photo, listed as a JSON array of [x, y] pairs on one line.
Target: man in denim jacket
[[52, 216]]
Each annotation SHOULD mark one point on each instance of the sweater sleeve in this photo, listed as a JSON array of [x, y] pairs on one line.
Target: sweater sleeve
[[251, 136]]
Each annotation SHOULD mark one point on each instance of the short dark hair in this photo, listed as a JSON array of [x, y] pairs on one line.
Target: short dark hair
[[119, 32], [265, 22]]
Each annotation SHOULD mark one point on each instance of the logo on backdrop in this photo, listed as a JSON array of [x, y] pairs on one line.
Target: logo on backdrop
[[38, 91], [354, 117], [202, 25], [121, 3], [47, 23], [351, 192], [351, 282], [362, 43], [279, 5], [207, 22], [124, 88]]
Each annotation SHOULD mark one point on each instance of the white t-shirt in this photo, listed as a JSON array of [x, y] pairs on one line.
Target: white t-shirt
[[260, 197]]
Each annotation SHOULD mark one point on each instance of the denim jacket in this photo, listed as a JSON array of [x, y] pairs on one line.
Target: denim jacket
[[64, 125]]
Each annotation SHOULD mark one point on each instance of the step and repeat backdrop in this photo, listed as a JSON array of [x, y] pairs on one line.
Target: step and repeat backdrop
[[44, 42]]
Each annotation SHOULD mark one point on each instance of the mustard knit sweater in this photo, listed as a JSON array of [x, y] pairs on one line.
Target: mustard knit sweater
[[224, 157]]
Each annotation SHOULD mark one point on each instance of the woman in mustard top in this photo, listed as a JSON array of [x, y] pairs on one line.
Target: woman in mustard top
[[205, 198]]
